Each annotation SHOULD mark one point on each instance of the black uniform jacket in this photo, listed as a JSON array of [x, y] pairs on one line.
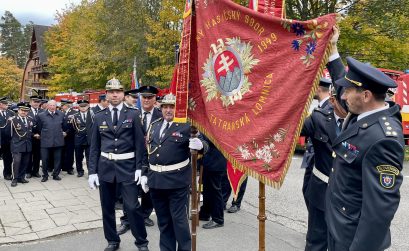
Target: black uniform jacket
[[126, 138], [322, 128], [171, 149], [5, 127], [363, 192], [21, 140], [82, 128], [213, 160], [50, 127]]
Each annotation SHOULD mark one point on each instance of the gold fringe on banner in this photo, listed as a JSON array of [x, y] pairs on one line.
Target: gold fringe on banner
[[251, 172]]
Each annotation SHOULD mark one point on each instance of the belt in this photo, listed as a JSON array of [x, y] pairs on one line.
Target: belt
[[121, 156], [167, 168], [320, 175]]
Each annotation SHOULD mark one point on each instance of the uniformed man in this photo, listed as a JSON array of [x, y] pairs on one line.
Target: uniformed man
[[21, 142], [102, 104], [363, 192], [169, 176], [148, 114], [82, 124], [116, 156], [131, 97], [322, 95], [214, 170], [69, 140], [49, 130], [5, 130], [34, 164], [322, 127]]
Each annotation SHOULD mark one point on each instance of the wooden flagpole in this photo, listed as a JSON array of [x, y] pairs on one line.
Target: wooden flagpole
[[262, 216]]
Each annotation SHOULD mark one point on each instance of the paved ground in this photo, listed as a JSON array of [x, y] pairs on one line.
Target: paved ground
[[58, 215]]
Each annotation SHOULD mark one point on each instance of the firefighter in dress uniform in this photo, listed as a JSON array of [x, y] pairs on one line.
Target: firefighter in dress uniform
[[322, 127], [21, 143], [363, 188], [5, 138], [117, 156], [34, 165], [82, 124], [169, 176]]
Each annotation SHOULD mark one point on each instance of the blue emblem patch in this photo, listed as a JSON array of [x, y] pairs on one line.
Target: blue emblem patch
[[387, 175], [387, 180]]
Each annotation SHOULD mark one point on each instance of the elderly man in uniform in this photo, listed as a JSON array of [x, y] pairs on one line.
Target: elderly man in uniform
[[21, 143], [323, 126], [5, 130], [117, 156], [49, 130], [34, 164], [363, 189], [169, 176], [82, 123]]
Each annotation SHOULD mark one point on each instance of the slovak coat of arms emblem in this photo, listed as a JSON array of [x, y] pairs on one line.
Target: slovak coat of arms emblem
[[226, 70]]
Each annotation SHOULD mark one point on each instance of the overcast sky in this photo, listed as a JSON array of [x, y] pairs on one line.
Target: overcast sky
[[39, 11]]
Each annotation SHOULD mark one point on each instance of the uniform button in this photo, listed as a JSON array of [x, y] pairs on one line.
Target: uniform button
[[394, 133], [343, 209], [345, 155], [389, 128], [332, 169], [387, 123], [365, 125], [157, 155], [160, 145], [116, 139], [116, 149], [388, 133], [384, 118]]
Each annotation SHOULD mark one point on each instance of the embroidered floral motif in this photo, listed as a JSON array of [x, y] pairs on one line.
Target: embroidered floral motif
[[308, 35]]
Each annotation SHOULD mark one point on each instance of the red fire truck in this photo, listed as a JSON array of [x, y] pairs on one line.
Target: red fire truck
[[91, 95]]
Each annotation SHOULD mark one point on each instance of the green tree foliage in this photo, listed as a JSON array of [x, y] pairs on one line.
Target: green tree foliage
[[10, 78], [13, 42], [165, 32], [96, 41], [377, 31]]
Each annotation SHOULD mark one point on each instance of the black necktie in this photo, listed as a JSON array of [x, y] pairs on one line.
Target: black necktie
[[83, 117], [340, 122], [115, 119], [25, 121], [145, 119], [164, 130]]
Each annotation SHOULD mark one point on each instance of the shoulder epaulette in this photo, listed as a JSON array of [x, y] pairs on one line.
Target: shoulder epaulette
[[387, 127]]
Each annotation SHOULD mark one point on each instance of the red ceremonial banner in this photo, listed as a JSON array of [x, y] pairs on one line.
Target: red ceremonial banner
[[255, 78], [271, 7]]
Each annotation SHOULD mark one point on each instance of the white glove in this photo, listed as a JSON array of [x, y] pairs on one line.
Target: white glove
[[195, 144], [144, 184], [93, 180], [138, 176]]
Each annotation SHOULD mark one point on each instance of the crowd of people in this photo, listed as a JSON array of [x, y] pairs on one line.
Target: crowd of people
[[351, 183]]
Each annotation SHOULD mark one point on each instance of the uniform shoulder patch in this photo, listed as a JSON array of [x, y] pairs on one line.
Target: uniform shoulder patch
[[388, 129], [387, 175]]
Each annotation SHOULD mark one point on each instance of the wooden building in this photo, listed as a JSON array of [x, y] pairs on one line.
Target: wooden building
[[35, 71]]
